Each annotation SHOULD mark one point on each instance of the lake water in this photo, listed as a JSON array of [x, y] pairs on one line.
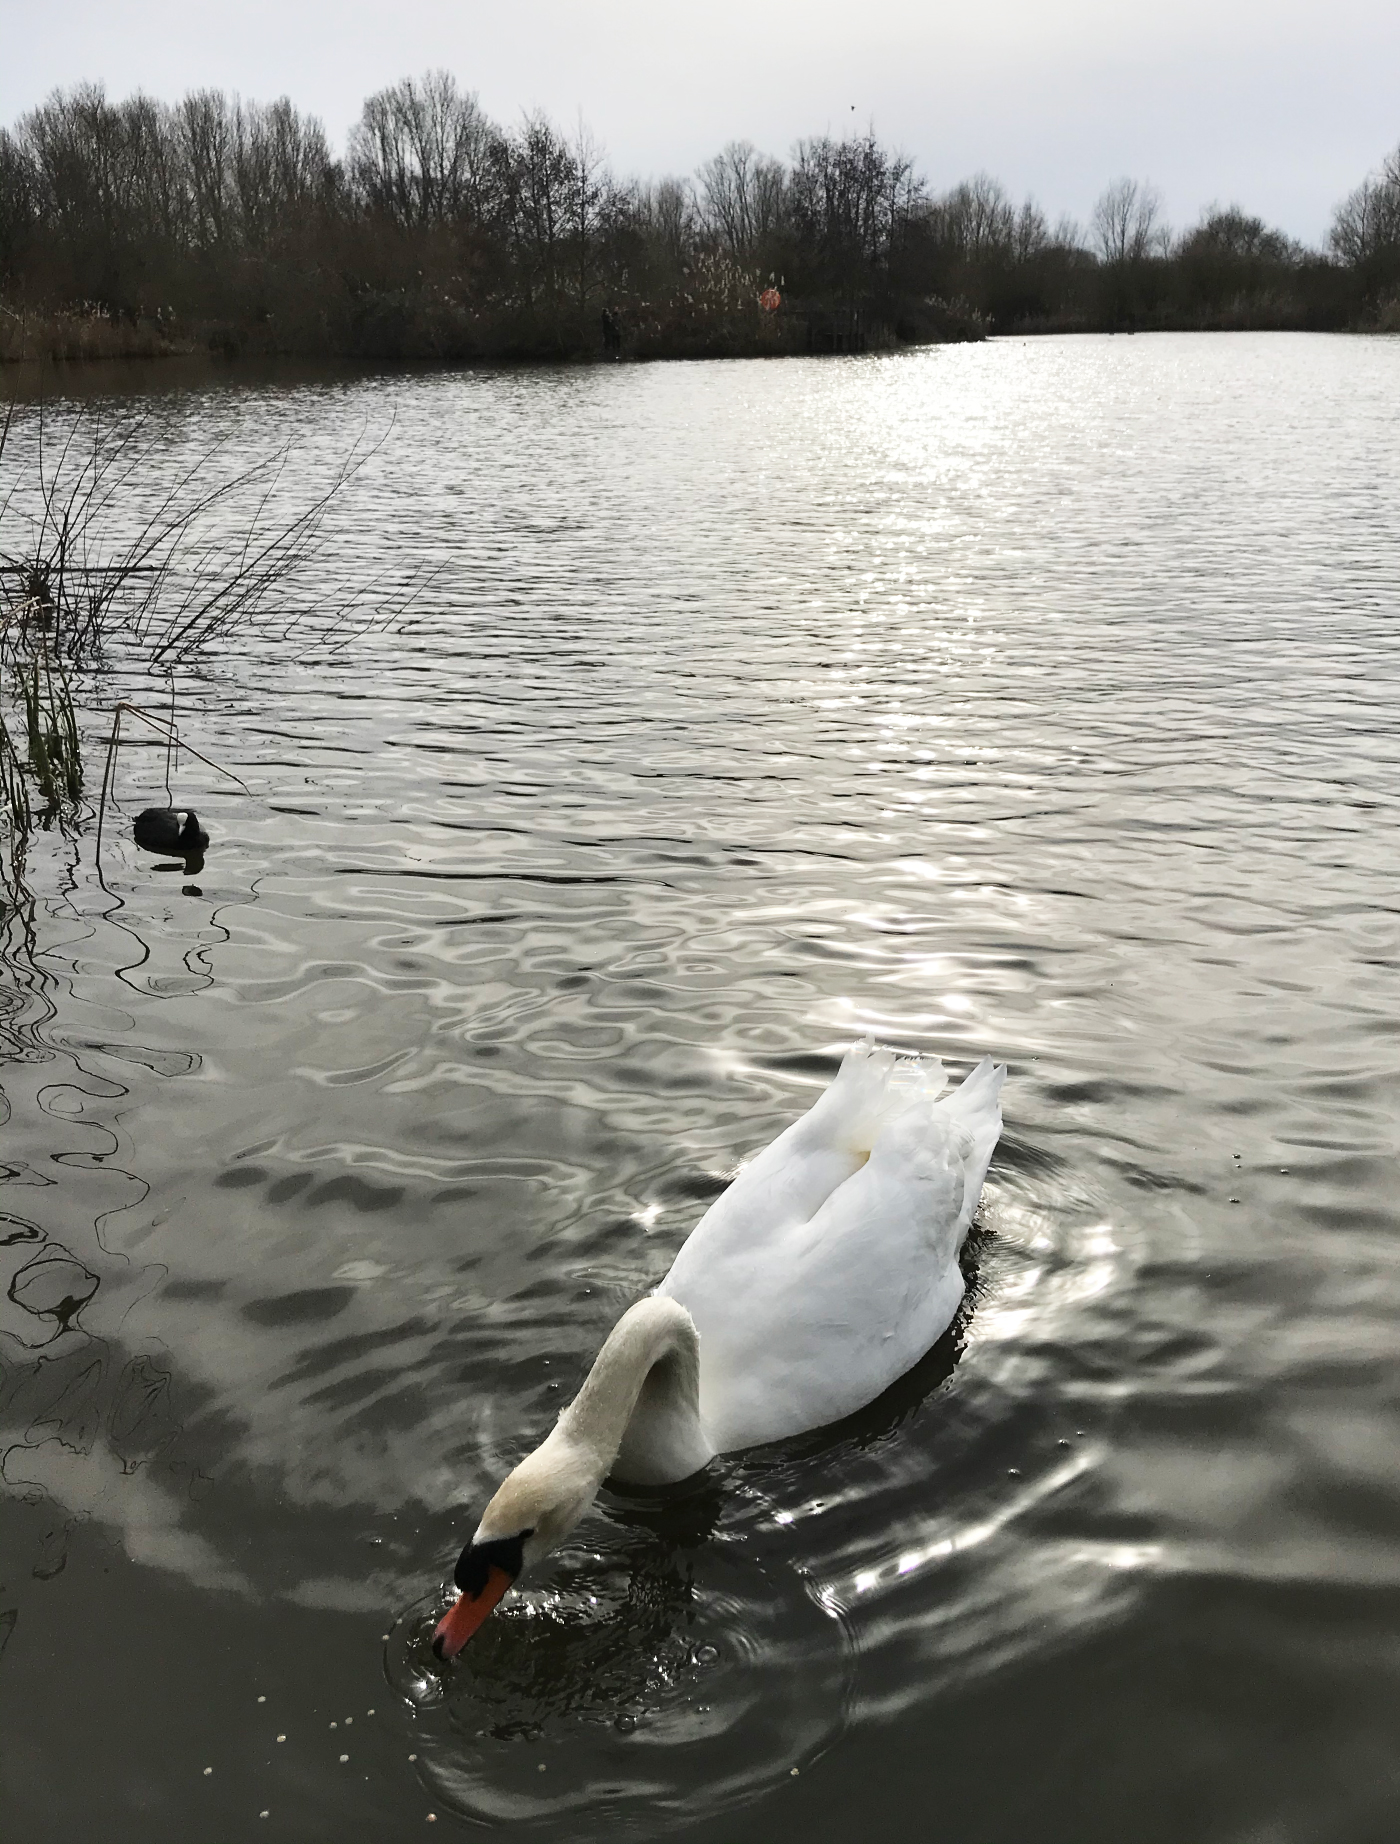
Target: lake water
[[1036, 699]]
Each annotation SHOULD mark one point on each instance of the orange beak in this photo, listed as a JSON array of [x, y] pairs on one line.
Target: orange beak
[[462, 1619]]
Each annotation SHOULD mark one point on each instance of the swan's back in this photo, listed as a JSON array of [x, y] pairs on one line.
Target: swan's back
[[829, 1266], [796, 1173]]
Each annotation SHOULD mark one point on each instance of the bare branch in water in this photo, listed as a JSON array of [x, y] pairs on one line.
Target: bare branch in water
[[172, 582], [169, 732]]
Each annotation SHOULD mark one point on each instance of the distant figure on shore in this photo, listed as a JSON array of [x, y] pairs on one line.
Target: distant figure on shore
[[612, 334]]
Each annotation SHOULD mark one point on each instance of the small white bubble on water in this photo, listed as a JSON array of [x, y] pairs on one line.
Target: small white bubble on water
[[209, 1770], [343, 1759], [262, 1699], [793, 1772], [348, 1721], [281, 1738]]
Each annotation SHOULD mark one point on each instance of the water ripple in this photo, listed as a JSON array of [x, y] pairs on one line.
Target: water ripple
[[1035, 699]]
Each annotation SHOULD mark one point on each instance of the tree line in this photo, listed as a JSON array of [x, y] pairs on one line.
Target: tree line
[[437, 233]]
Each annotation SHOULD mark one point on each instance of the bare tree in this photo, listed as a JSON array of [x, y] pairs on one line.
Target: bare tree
[[1068, 233], [1367, 222], [157, 196], [1031, 235], [541, 182], [19, 211], [1235, 234], [742, 198], [591, 193], [281, 163], [666, 213], [107, 181], [851, 201], [421, 153], [1126, 223], [74, 144], [204, 123], [977, 219]]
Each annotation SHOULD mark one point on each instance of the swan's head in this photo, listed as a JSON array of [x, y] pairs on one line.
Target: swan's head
[[533, 1511]]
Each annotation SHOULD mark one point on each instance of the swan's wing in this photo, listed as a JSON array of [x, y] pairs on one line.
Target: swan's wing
[[805, 1328], [794, 1175]]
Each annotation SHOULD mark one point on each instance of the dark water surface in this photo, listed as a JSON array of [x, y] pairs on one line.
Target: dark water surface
[[1034, 699]]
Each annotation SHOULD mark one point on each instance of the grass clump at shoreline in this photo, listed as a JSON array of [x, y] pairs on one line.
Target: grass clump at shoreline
[[118, 563]]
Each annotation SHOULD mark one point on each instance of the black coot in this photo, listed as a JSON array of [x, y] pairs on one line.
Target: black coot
[[175, 832]]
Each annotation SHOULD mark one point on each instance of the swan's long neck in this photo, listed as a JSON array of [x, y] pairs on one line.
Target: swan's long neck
[[639, 1409]]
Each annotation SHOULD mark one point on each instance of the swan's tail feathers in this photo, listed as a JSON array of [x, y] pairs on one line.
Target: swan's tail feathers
[[918, 1076], [979, 1092], [873, 1087], [976, 1105]]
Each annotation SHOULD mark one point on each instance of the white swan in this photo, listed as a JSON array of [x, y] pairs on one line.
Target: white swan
[[826, 1270]]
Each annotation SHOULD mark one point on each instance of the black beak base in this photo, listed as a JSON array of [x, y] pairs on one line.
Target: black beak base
[[477, 1560]]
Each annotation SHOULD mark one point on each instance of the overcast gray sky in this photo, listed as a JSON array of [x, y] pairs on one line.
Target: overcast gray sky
[[1279, 105]]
